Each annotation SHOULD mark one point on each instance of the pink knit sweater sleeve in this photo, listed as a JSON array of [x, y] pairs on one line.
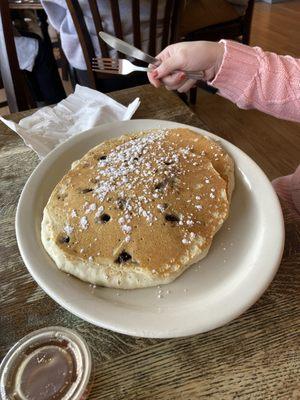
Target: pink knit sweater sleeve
[[253, 78]]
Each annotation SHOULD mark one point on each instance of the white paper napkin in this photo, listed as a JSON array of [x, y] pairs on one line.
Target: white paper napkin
[[82, 110]]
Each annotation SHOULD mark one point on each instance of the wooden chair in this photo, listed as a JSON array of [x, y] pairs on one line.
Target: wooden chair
[[14, 82], [236, 29], [169, 35]]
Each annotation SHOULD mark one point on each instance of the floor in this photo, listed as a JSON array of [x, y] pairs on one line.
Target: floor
[[275, 28]]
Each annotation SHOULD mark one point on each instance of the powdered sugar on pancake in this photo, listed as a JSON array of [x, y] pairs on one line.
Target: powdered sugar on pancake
[[142, 208]]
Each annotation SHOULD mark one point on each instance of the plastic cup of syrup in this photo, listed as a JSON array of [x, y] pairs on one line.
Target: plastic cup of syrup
[[48, 364]]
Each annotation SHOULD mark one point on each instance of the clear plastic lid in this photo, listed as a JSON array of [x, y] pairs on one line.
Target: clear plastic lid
[[52, 363]]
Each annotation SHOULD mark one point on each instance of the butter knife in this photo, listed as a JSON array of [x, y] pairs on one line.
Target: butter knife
[[128, 49], [131, 51]]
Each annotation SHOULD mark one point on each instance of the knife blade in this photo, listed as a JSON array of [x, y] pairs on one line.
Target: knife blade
[[127, 49]]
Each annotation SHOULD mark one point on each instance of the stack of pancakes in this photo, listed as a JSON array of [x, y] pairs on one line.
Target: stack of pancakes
[[138, 210]]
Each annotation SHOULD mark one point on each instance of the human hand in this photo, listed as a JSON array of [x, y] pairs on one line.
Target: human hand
[[193, 57]]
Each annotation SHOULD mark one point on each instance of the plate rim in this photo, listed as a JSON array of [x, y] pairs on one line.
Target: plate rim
[[138, 331]]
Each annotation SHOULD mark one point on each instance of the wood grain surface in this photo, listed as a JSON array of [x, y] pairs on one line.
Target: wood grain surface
[[254, 357]]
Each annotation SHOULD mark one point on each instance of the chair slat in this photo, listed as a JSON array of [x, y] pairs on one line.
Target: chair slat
[[176, 13], [98, 26], [136, 22], [84, 38], [166, 23], [17, 92], [115, 13], [152, 30]]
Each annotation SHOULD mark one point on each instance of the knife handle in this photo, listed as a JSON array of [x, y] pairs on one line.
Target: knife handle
[[208, 88], [197, 76], [200, 82]]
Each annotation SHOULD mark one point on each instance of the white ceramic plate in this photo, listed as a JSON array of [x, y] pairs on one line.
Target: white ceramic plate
[[240, 265]]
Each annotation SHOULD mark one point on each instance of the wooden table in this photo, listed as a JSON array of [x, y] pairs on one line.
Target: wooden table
[[254, 357]]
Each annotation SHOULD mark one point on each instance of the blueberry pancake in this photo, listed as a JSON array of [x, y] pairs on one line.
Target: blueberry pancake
[[136, 211]]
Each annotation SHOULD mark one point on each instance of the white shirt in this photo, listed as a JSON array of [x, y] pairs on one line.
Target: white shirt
[[27, 49], [59, 16]]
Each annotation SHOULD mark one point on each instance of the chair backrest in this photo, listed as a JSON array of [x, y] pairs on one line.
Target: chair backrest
[[169, 32], [232, 29], [16, 88]]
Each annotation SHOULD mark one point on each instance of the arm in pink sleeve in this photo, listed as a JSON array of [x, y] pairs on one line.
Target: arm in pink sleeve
[[252, 78]]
